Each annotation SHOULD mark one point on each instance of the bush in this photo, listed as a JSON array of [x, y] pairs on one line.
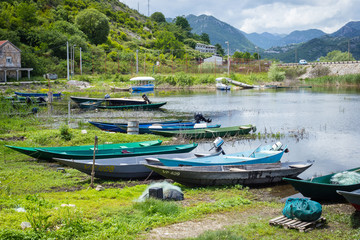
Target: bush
[[275, 74], [65, 132], [319, 71]]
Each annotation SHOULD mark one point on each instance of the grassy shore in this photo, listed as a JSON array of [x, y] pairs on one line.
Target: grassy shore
[[61, 205]]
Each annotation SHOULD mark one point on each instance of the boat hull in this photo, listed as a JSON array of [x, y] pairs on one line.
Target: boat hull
[[231, 159], [352, 197], [138, 106], [320, 188], [32, 152], [230, 175], [208, 133], [117, 153]]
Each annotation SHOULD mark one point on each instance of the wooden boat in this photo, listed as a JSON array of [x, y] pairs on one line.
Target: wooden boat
[[117, 153], [321, 188], [33, 152], [264, 154], [252, 174], [352, 197], [115, 127], [143, 84], [109, 101], [174, 127], [58, 95], [90, 104], [209, 133], [139, 106], [121, 168]]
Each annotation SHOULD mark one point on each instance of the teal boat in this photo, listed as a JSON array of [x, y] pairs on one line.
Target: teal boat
[[208, 133], [116, 153], [33, 152]]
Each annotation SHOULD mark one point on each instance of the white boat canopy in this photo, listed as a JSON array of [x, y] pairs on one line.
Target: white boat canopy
[[142, 79]]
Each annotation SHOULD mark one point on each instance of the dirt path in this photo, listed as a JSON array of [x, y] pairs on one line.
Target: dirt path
[[212, 222]]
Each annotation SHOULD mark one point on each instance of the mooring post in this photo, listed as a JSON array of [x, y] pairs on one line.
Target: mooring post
[[69, 112], [93, 165]]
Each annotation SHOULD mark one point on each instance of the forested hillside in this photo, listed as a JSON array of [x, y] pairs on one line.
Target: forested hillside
[[107, 31]]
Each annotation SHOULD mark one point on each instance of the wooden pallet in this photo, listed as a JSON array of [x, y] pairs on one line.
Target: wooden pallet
[[297, 224]]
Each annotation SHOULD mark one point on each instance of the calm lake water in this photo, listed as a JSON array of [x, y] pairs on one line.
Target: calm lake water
[[317, 125]]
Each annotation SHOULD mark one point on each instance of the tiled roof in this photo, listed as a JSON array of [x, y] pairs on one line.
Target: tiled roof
[[2, 42]]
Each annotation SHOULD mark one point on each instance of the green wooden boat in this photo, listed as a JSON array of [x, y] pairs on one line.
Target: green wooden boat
[[137, 106], [209, 133], [117, 153], [321, 188], [33, 152]]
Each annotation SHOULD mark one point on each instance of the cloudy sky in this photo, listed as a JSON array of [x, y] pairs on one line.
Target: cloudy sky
[[274, 16]]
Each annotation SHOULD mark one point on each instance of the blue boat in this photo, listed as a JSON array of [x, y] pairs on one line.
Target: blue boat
[[115, 127], [265, 154], [58, 95], [143, 84], [173, 127]]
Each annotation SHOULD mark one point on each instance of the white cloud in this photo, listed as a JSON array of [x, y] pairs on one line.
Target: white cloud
[[275, 16]]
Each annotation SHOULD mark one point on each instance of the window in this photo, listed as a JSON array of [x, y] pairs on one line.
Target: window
[[9, 60]]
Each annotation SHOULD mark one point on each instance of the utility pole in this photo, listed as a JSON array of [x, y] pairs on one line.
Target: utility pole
[[80, 63], [349, 50], [137, 61], [67, 61], [227, 42], [148, 8], [295, 55]]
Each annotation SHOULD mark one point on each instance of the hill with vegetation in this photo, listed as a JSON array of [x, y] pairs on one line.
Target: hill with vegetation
[[220, 32], [107, 31]]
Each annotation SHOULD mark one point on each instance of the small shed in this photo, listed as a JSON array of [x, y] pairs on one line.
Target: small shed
[[10, 61]]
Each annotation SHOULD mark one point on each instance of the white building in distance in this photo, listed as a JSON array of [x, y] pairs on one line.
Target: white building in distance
[[204, 48]]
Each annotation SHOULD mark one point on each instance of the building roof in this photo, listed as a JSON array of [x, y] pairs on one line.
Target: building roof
[[3, 42]]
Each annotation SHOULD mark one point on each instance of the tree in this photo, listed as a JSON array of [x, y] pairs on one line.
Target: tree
[[337, 56], [219, 49], [183, 23], [238, 55], [158, 17], [275, 74], [94, 24], [205, 38], [166, 41]]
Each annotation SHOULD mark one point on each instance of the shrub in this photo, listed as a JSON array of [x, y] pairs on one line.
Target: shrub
[[275, 74], [319, 71]]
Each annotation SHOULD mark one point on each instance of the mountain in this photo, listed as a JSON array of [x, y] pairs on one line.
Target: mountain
[[351, 29], [220, 32], [264, 40], [268, 40]]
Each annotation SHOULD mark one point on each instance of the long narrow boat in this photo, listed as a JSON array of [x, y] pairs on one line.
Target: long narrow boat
[[352, 197], [121, 168], [115, 127], [37, 94], [33, 152], [259, 155], [252, 174], [118, 153], [321, 188], [209, 133], [137, 106], [174, 127], [109, 101]]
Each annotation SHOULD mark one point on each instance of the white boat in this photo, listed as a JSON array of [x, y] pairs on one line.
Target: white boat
[[220, 85]]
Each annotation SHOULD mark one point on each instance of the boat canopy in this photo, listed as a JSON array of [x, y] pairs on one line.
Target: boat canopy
[[142, 79]]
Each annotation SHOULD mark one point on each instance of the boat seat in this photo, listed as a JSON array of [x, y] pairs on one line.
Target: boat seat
[[207, 130], [236, 170], [125, 146], [144, 144], [297, 166]]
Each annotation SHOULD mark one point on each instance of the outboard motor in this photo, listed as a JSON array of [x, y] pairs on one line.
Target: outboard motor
[[146, 99], [217, 145], [28, 100], [276, 147], [199, 117], [41, 99]]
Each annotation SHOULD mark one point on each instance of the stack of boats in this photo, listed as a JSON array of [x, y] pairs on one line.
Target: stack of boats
[[140, 160], [179, 128]]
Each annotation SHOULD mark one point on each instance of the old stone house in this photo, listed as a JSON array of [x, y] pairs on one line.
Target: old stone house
[[10, 61]]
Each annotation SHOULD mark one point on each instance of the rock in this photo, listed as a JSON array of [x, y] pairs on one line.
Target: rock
[[99, 188], [25, 225]]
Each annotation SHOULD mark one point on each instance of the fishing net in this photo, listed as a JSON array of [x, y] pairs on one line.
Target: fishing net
[[170, 192], [302, 209], [345, 178]]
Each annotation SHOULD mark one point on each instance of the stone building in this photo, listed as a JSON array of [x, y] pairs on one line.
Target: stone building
[[10, 61]]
